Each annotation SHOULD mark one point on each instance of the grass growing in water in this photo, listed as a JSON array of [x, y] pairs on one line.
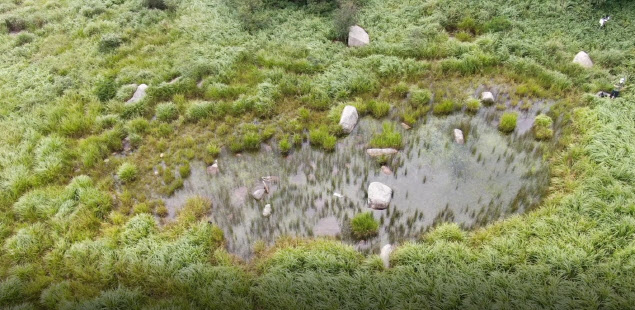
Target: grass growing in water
[[542, 127], [508, 122], [388, 138], [364, 226]]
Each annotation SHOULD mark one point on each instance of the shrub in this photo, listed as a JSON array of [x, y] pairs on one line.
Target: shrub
[[199, 110], [420, 97], [109, 43], [155, 4], [167, 111], [498, 23], [444, 108], [106, 89], [508, 122], [321, 137], [127, 172], [463, 36], [364, 226], [388, 138], [24, 38], [194, 209], [185, 170], [251, 141], [344, 18], [473, 105], [542, 127], [401, 89], [213, 149], [284, 145], [378, 109], [138, 125]]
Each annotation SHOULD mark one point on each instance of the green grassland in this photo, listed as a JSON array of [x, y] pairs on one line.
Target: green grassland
[[77, 223]]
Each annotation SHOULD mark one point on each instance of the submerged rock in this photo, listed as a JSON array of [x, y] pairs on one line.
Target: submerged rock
[[381, 152], [267, 210], [139, 94], [583, 60], [386, 170], [258, 194], [357, 37], [349, 117], [458, 136], [487, 97], [385, 255], [379, 195]]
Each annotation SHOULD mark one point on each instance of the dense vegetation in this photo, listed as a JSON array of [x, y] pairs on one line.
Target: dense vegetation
[[77, 164]]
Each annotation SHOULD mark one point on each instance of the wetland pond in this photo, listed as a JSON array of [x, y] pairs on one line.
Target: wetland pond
[[316, 193]]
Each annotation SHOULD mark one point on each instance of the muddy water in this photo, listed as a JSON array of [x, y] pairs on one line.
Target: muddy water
[[313, 193]]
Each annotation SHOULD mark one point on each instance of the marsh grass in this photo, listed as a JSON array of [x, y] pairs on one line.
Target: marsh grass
[[389, 137], [507, 122], [364, 226]]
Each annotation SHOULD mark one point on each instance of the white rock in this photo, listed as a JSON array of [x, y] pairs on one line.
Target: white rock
[[386, 170], [267, 210], [379, 195], [161, 155], [381, 152], [338, 195], [357, 36], [349, 117], [487, 97], [385, 254], [405, 126], [258, 194], [583, 60], [458, 136], [139, 94], [213, 169]]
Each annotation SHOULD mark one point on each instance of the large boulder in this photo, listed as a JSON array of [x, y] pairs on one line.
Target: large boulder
[[258, 194], [385, 255], [583, 60], [349, 117], [458, 136], [379, 195], [357, 36], [381, 152], [139, 94], [487, 97]]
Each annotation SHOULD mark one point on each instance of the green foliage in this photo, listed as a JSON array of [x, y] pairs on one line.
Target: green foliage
[[388, 138], [106, 89], [167, 112], [507, 122], [378, 109], [185, 170], [542, 127], [420, 97], [364, 226], [473, 105], [109, 43], [345, 17], [127, 172], [213, 149], [321, 137], [194, 209], [446, 107], [284, 145]]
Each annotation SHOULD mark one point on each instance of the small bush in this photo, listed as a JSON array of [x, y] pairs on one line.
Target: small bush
[[473, 105], [154, 4], [167, 112], [463, 36], [378, 109], [106, 89], [444, 108], [498, 23], [194, 209], [322, 138], [24, 38], [508, 122], [388, 138], [284, 145], [542, 127], [127, 172], [251, 141], [344, 18], [420, 97], [401, 89], [199, 110], [364, 226], [213, 149], [185, 170], [109, 43]]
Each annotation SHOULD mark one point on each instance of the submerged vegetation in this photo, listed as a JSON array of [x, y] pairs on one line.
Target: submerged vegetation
[[83, 172]]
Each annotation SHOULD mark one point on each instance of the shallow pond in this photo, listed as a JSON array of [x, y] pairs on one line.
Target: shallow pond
[[314, 193]]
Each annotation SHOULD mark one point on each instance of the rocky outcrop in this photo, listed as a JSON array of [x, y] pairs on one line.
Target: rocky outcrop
[[379, 195], [349, 117], [381, 152], [385, 255], [458, 136], [139, 94], [583, 60], [487, 97], [357, 37]]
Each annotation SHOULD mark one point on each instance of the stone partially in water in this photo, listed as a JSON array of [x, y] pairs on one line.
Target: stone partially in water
[[458, 136], [213, 169], [379, 195], [139, 94], [385, 255], [381, 152], [487, 97], [386, 170], [258, 194], [348, 120], [267, 210]]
